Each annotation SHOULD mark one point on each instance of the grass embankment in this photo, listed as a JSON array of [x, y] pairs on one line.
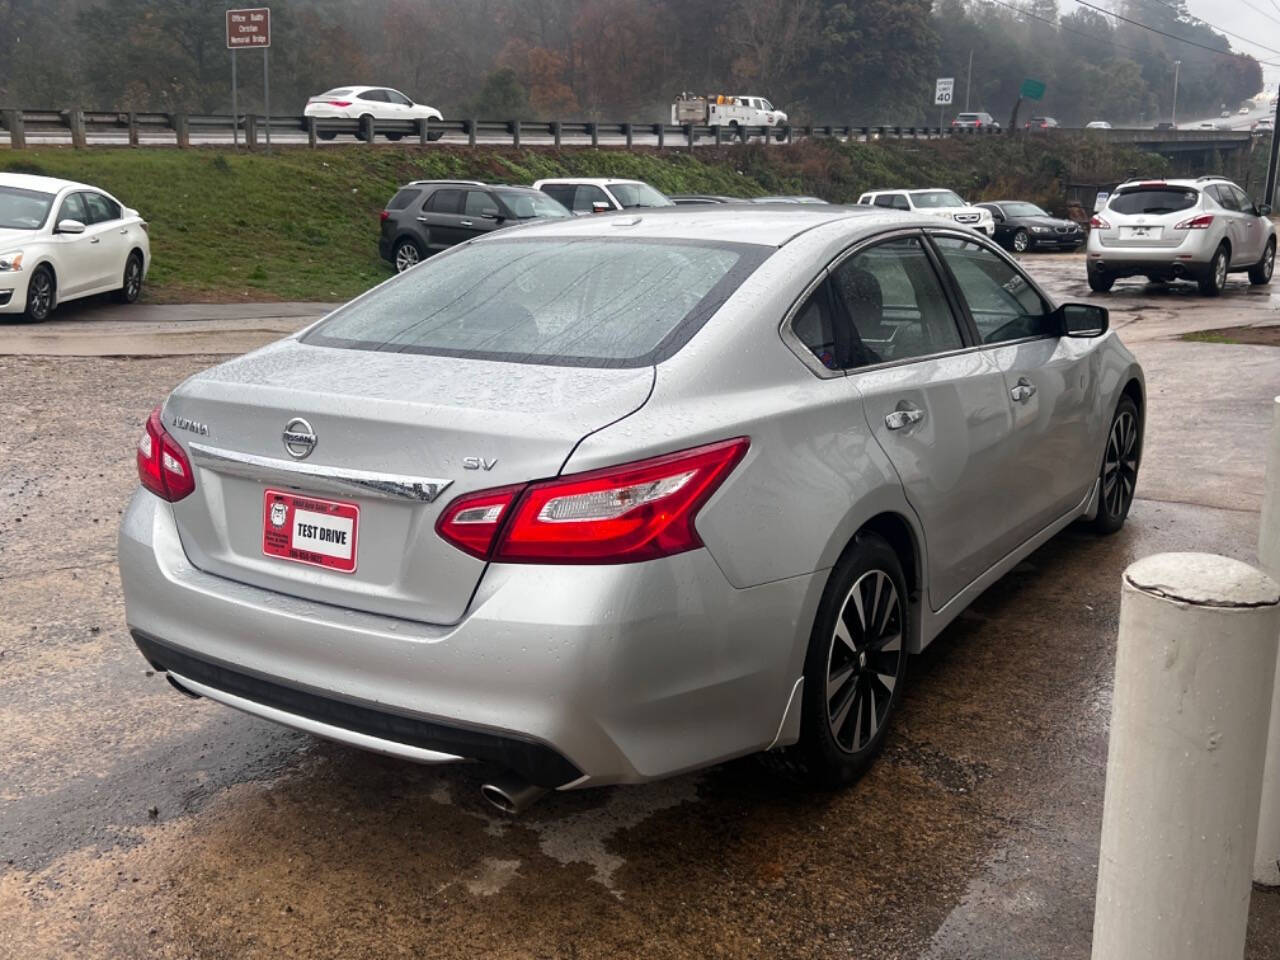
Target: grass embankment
[[302, 224]]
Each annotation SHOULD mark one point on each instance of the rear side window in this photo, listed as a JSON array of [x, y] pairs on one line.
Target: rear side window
[[601, 302], [376, 96], [562, 193], [445, 201], [894, 302], [584, 195], [403, 198], [1153, 201]]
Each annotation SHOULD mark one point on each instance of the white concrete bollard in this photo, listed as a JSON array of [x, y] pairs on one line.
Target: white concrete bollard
[[1194, 665], [1266, 863]]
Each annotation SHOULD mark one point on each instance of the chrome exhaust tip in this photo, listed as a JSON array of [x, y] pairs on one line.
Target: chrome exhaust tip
[[512, 795]]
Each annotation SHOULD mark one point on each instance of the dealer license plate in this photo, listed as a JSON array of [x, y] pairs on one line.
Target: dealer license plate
[[310, 530]]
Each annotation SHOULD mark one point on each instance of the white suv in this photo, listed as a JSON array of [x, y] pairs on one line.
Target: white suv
[[586, 195], [1197, 230], [945, 204]]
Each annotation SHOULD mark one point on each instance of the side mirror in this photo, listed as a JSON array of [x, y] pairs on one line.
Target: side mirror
[[1083, 320], [1264, 210], [69, 226], [997, 216], [599, 206], [490, 213]]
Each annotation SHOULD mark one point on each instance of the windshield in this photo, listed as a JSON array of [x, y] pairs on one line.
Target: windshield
[[593, 301], [638, 195], [531, 204], [23, 209], [936, 198], [1154, 200], [1022, 210]]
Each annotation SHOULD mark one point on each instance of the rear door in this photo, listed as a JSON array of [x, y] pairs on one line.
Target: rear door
[[109, 241], [937, 407], [441, 218], [1231, 212], [1050, 383]]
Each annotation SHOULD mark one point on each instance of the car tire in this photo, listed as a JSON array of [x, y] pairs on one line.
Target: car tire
[[326, 134], [360, 130], [1212, 284], [1100, 282], [1021, 242], [393, 136], [434, 135], [1118, 476], [841, 734], [41, 294], [1260, 272], [131, 282], [408, 253]]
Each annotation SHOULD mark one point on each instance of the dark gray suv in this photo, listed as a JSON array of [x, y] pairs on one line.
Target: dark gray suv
[[427, 216]]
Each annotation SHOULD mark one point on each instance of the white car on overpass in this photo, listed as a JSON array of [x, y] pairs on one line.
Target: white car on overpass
[[933, 202], [61, 240], [380, 103]]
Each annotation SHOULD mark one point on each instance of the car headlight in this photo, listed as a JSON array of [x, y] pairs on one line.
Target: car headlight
[[1042, 230], [11, 262]]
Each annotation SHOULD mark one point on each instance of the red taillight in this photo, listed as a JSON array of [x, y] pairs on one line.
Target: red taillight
[[385, 215], [338, 103], [978, 123], [162, 466], [1202, 222], [1097, 223], [472, 521], [637, 511]]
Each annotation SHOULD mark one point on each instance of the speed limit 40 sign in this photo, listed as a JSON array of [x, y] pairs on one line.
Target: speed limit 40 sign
[[944, 91]]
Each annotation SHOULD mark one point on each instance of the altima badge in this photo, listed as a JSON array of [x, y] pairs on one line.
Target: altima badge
[[299, 438]]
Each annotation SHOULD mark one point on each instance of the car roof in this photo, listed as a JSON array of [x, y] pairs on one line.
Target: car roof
[[761, 224], [26, 181], [596, 181]]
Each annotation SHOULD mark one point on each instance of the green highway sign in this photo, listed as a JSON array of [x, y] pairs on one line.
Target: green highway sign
[[1032, 90]]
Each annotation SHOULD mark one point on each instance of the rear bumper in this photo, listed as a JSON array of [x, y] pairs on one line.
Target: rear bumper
[[1160, 268], [569, 676]]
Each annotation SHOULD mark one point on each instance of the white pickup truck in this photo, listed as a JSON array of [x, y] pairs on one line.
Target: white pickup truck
[[725, 111]]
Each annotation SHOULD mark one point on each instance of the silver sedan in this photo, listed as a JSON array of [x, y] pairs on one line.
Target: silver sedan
[[603, 500]]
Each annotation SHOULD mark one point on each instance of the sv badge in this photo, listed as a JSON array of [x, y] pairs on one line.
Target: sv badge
[[478, 463]]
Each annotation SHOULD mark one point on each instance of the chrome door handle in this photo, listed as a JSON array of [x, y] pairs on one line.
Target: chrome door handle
[[422, 220], [95, 239], [903, 418], [464, 223], [1024, 391], [124, 231]]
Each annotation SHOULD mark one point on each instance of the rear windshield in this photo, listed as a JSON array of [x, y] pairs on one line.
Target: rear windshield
[[341, 92], [23, 209], [591, 301], [1154, 200]]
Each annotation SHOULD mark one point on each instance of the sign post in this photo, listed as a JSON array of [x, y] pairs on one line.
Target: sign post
[[943, 94], [249, 28]]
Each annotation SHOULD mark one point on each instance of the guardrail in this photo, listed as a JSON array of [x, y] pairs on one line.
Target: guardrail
[[107, 127]]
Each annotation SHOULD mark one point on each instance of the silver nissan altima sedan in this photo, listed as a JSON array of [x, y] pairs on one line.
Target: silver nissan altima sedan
[[603, 500]]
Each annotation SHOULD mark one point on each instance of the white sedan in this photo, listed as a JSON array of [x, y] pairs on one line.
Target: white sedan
[[61, 240], [380, 103]]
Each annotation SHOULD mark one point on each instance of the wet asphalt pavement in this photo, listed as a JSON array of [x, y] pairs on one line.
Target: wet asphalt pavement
[[137, 823]]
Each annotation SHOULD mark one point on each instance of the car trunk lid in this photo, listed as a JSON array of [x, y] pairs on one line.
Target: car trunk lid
[[397, 437]]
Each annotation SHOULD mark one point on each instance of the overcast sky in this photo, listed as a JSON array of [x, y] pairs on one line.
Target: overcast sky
[[1261, 21]]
